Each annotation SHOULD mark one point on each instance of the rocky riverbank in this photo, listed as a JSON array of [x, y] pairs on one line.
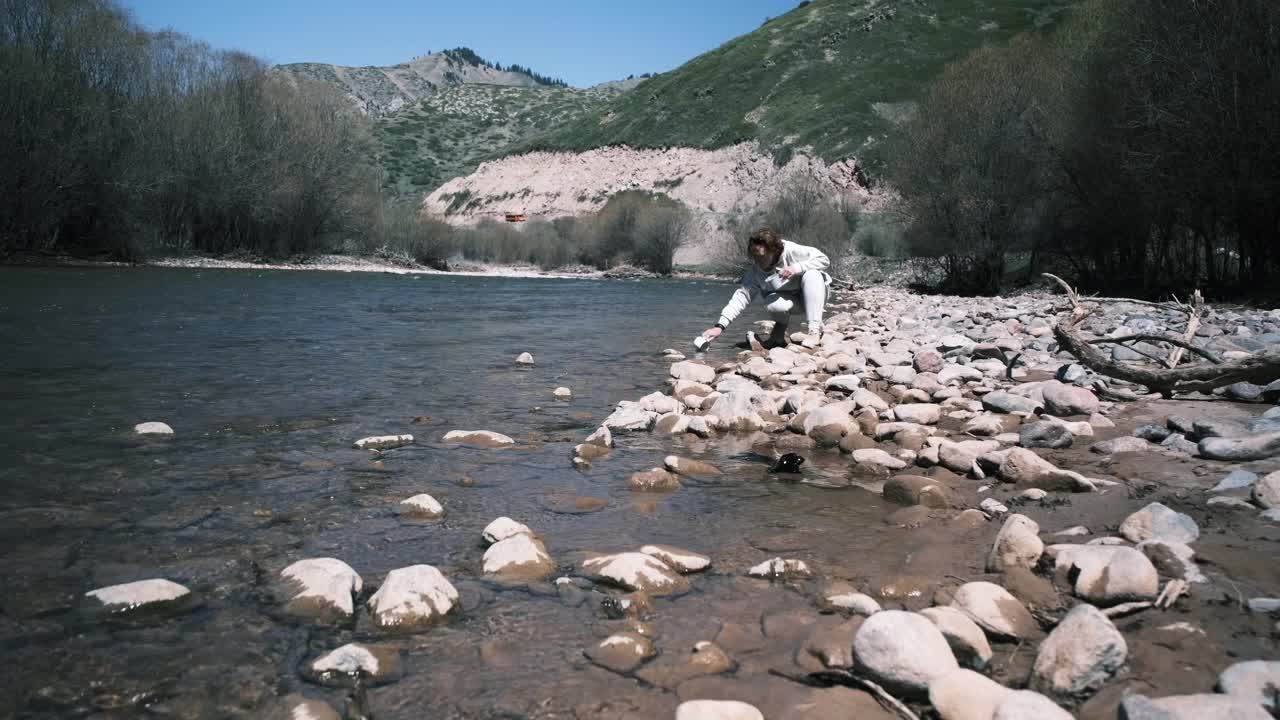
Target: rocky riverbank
[[1035, 540]]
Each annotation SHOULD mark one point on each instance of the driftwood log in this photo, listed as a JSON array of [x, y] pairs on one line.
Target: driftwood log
[[1260, 368]]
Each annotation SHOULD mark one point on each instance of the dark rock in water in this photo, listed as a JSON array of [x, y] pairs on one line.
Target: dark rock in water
[[1071, 373], [1152, 433], [1246, 391], [1044, 435], [788, 463], [1177, 423]]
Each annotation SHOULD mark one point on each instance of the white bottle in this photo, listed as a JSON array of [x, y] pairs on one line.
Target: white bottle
[[700, 342]]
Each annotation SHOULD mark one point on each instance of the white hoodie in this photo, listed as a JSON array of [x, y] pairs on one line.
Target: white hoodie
[[799, 258]]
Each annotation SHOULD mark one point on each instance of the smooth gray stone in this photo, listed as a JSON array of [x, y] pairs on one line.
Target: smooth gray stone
[[1235, 480], [1001, 401], [1152, 433], [1246, 391], [1179, 443], [1178, 423], [1044, 435], [1257, 447]]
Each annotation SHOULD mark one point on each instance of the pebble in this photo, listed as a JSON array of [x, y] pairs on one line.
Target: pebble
[[1017, 544], [993, 506], [562, 393]]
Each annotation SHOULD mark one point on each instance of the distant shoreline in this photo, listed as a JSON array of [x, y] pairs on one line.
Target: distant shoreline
[[347, 263]]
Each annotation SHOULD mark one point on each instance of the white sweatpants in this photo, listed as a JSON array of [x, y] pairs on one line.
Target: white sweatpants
[[809, 299]]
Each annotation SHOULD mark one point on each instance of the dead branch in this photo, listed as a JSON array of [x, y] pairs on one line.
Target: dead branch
[[1127, 608], [1260, 369], [1193, 324], [1176, 342]]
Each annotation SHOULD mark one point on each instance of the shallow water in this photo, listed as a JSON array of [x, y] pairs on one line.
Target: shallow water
[[259, 372]]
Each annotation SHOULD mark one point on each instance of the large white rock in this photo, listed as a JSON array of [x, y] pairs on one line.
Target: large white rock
[[152, 428], [864, 398], [601, 437], [854, 603], [966, 639], [1081, 654], [919, 413], [956, 373], [659, 403], [503, 528], [877, 458], [322, 588], [1027, 705], [1107, 574], [635, 571], [413, 597], [1192, 707], [1176, 560], [1017, 544], [683, 561], [697, 372], [1266, 491], [630, 417], [995, 610], [524, 358], [422, 505], [843, 383], [966, 695], [903, 650], [735, 411], [717, 710], [383, 442], [517, 557], [1158, 522], [136, 595], [1255, 680], [483, 438]]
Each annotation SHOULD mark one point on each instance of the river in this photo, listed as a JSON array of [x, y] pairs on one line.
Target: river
[[267, 378]]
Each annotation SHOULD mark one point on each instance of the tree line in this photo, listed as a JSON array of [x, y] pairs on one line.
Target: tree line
[[1136, 147]]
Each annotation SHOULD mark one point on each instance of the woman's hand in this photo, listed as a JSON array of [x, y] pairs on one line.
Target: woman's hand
[[787, 272], [711, 333]]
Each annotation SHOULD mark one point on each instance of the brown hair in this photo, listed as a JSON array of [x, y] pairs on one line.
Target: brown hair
[[769, 238]]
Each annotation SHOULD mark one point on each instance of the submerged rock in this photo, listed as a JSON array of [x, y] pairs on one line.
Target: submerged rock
[[524, 358], [423, 506], [630, 417], [681, 560], [413, 597], [139, 597], [375, 664], [635, 571], [321, 589], [385, 442], [518, 557], [655, 480], [479, 438], [690, 468], [780, 569], [621, 652], [152, 428]]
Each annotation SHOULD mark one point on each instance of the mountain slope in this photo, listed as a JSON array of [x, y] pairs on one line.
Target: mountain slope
[[449, 132], [380, 91], [831, 74]]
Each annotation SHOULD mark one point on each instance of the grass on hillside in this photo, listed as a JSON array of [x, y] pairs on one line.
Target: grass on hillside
[[831, 74], [450, 132]]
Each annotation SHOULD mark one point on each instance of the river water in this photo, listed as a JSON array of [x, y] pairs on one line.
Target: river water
[[267, 379]]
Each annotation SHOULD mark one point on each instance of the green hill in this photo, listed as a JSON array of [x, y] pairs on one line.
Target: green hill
[[831, 74], [450, 132]]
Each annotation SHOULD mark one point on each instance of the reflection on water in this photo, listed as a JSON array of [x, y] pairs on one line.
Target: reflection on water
[[267, 378]]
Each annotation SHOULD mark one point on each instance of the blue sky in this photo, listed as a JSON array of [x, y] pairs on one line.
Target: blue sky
[[582, 42]]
